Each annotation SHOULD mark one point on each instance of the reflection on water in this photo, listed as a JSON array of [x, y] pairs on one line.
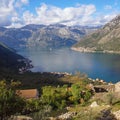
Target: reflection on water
[[103, 66]]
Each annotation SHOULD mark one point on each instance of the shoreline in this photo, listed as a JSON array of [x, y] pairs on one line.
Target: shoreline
[[27, 65], [92, 50]]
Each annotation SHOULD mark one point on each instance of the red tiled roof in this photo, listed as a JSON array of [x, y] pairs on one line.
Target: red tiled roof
[[28, 94]]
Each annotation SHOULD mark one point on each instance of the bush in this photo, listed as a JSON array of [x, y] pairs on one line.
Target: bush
[[10, 102], [54, 96], [60, 97], [32, 105], [42, 114]]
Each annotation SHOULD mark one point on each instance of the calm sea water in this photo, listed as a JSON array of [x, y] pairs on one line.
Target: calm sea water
[[103, 66]]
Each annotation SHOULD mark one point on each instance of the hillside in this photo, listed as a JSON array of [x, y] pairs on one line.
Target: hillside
[[50, 36], [106, 39], [10, 61]]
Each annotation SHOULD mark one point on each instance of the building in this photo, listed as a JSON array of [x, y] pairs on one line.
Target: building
[[28, 94]]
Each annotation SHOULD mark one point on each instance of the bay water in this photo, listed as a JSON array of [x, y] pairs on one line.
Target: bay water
[[95, 65]]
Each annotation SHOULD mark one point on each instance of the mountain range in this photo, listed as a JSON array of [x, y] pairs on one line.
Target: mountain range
[[44, 36], [106, 39], [57, 36]]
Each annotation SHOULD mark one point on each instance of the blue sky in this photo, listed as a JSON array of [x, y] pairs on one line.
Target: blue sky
[[17, 13], [100, 4], [66, 3]]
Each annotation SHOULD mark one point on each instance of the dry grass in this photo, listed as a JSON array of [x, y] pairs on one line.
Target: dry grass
[[87, 113]]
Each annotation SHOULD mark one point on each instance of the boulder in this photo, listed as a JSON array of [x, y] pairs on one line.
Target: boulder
[[94, 104]]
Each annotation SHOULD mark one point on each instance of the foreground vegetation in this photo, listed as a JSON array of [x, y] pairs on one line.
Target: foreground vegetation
[[58, 95]]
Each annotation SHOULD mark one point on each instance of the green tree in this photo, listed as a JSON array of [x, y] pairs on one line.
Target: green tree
[[10, 102], [75, 93], [79, 93], [54, 96], [87, 95]]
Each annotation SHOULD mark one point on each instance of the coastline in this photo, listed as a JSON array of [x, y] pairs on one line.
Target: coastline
[[27, 65], [93, 50]]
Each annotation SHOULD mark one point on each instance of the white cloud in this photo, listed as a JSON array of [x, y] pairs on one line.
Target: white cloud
[[6, 11], [10, 11], [50, 14], [12, 14], [103, 19], [78, 15]]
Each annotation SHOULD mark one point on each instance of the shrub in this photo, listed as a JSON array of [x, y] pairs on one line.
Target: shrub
[[10, 102]]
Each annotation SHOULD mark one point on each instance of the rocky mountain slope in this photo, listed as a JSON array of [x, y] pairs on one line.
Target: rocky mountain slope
[[106, 39], [52, 36], [56, 36]]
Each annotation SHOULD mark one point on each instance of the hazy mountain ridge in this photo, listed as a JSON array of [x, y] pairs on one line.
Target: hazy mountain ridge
[[52, 36], [55, 36], [106, 39]]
